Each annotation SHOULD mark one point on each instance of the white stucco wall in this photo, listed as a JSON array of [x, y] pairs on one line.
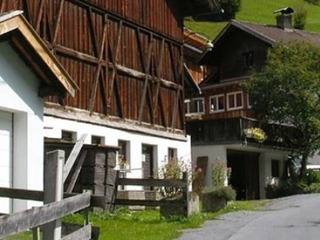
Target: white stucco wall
[[19, 95], [54, 127], [214, 152], [265, 173]]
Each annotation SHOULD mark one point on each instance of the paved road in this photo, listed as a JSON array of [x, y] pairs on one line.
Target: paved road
[[290, 218]]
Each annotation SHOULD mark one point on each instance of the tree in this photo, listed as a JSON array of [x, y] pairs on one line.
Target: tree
[[230, 8], [287, 92]]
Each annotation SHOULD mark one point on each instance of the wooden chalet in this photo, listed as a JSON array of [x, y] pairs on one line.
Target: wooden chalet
[[217, 118], [126, 60]]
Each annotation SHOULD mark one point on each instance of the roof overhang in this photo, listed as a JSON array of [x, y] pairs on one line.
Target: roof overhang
[[54, 79]]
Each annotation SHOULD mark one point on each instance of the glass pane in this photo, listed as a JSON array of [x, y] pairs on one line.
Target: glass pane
[[231, 101], [239, 99], [220, 103]]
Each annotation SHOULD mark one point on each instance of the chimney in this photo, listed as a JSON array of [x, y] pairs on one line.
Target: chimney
[[284, 21]]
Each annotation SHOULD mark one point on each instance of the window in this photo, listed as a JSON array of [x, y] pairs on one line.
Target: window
[[234, 100], [68, 136], [194, 105], [248, 59], [97, 140], [123, 157], [217, 103], [275, 168], [172, 154]]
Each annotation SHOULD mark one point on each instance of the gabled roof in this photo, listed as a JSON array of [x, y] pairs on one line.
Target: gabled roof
[[16, 30], [270, 34]]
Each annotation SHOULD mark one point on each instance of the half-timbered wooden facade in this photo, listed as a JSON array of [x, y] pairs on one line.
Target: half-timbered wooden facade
[[219, 115], [126, 60]]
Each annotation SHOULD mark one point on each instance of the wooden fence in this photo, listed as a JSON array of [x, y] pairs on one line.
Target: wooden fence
[[179, 203], [37, 216]]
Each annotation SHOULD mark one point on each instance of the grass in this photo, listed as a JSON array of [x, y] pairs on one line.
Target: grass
[[145, 225], [258, 12]]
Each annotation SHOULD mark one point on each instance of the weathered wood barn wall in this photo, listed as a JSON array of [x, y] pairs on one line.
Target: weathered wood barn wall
[[125, 56]]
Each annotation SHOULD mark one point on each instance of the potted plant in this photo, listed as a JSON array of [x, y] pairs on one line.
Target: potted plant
[[217, 196]]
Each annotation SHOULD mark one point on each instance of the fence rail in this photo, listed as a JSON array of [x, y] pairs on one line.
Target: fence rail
[[37, 216], [165, 202]]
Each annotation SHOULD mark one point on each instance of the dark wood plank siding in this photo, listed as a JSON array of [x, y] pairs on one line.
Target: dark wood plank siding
[[126, 56], [156, 14]]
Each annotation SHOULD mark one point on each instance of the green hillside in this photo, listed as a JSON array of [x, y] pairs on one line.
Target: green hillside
[[259, 11]]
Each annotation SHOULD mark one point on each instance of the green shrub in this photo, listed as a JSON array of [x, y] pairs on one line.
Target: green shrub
[[314, 2], [225, 192], [313, 188], [219, 173], [286, 187], [229, 10], [216, 198], [312, 176], [230, 7], [300, 17]]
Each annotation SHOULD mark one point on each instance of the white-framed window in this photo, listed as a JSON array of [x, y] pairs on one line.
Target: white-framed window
[[217, 103], [68, 136], [124, 154], [235, 100], [97, 140], [172, 154], [194, 105]]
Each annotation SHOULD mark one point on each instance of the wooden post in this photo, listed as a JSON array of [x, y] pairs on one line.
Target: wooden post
[[186, 192], [53, 190], [36, 233]]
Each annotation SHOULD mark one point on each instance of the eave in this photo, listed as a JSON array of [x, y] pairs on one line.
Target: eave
[[54, 79]]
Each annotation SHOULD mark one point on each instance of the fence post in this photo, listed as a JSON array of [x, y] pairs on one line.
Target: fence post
[[186, 192], [53, 190]]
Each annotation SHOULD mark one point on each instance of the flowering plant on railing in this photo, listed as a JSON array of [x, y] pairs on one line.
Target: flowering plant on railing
[[256, 133]]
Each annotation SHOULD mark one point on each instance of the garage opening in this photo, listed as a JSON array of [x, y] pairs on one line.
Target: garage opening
[[244, 174]]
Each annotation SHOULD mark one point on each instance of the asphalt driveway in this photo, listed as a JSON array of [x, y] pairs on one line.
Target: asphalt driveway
[[290, 218]]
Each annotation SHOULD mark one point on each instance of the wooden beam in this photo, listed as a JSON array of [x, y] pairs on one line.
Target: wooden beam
[[39, 16], [21, 194], [57, 22], [99, 53], [15, 193], [73, 156], [149, 203], [147, 65], [114, 53], [119, 68], [175, 109], [53, 190], [76, 172], [152, 182]]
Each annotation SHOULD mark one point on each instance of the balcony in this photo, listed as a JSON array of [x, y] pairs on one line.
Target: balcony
[[231, 130]]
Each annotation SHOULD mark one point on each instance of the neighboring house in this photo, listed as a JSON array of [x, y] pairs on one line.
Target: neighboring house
[[28, 73], [126, 57], [194, 47], [221, 113]]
